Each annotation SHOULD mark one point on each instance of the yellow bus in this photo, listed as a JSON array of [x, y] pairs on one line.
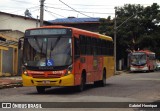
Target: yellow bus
[[66, 56]]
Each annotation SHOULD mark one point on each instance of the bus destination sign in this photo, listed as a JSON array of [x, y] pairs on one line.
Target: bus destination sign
[[47, 32]]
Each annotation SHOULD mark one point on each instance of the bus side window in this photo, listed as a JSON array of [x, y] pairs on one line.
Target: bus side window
[[82, 44], [88, 46], [94, 46], [76, 48], [103, 47]]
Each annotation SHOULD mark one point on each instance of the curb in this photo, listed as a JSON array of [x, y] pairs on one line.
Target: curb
[[121, 72], [12, 85]]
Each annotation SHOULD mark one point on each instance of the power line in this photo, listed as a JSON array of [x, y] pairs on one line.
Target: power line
[[100, 5], [51, 14], [106, 5], [21, 9], [35, 9], [92, 5], [79, 11], [87, 6], [24, 2], [20, 1], [17, 7], [83, 5], [54, 13], [75, 9], [19, 14]]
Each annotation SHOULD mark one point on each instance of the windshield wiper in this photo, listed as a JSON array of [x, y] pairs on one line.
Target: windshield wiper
[[52, 47], [41, 49], [37, 43]]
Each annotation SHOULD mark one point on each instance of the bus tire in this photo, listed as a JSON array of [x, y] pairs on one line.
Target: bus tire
[[81, 87], [40, 89], [102, 82]]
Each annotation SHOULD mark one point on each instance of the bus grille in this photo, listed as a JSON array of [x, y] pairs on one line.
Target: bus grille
[[46, 75]]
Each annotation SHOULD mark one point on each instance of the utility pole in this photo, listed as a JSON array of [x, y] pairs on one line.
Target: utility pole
[[41, 11], [115, 36], [115, 42]]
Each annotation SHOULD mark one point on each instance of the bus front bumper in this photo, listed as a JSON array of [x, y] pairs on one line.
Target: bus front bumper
[[139, 69], [63, 81]]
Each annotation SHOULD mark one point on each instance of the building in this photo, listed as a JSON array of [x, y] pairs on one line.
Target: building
[[9, 52], [90, 24], [12, 27], [8, 56], [17, 22]]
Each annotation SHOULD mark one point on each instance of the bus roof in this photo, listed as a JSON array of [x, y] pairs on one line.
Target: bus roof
[[78, 30], [145, 51]]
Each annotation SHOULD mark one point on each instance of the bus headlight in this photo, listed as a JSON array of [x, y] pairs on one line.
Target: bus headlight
[[69, 70], [25, 73]]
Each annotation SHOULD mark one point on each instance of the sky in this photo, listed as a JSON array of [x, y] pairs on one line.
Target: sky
[[56, 9]]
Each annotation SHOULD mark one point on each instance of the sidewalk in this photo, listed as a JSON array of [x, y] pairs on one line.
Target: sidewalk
[[121, 72], [16, 81], [9, 82]]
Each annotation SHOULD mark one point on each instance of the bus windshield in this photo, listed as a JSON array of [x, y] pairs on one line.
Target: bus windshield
[[47, 51], [138, 58]]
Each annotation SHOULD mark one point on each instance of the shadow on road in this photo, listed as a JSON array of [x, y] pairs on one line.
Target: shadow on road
[[66, 90]]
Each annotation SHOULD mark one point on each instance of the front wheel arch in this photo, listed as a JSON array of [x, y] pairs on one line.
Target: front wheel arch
[[102, 82], [81, 87]]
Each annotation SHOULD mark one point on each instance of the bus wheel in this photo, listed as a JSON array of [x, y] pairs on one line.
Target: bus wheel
[[81, 87], [103, 81], [40, 89]]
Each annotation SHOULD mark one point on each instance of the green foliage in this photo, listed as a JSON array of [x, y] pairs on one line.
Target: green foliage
[[141, 31], [106, 26]]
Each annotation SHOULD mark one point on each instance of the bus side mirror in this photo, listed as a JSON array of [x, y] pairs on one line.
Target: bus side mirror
[[20, 42]]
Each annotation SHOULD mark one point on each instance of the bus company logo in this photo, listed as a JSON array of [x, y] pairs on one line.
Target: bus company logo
[[6, 105], [20, 105]]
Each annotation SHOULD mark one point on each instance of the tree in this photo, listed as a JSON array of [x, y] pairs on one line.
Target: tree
[[106, 26], [139, 32]]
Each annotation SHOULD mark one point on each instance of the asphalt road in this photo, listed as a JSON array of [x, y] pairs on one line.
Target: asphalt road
[[126, 87]]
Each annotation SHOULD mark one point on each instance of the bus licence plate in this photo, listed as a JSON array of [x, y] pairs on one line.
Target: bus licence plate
[[46, 82]]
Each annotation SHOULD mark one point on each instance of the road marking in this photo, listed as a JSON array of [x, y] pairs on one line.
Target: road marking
[[147, 79]]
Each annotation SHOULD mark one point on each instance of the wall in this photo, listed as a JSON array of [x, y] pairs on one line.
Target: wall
[[8, 60], [16, 23], [8, 56]]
